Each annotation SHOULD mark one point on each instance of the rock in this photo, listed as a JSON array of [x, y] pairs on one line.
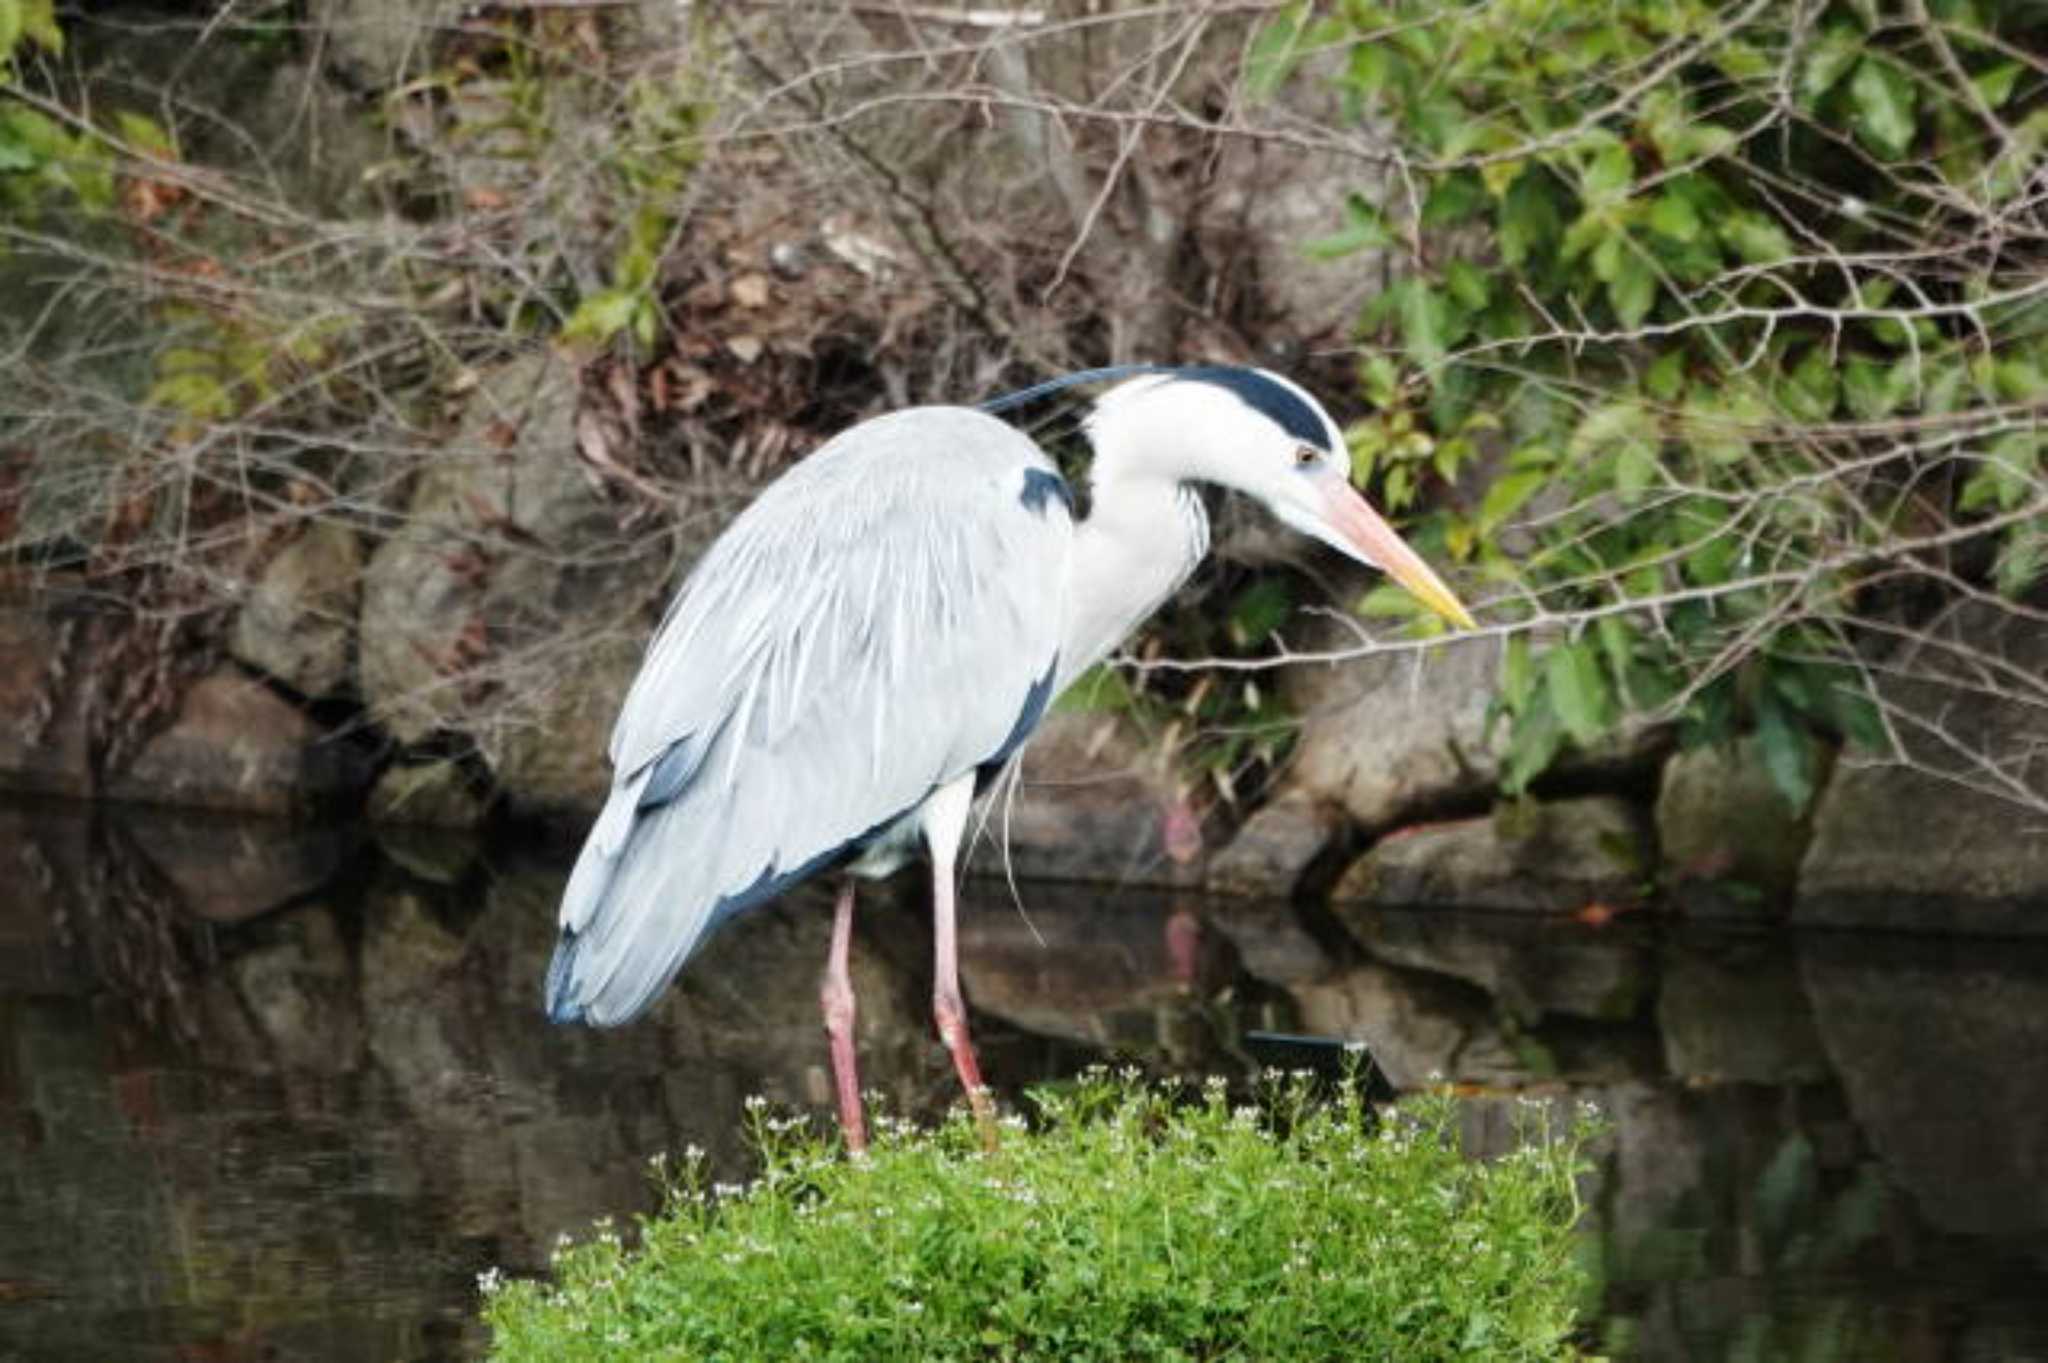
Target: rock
[[298, 990], [300, 615], [410, 959], [1391, 734], [1891, 833], [437, 793], [1280, 194], [1270, 939], [320, 142], [439, 856], [1722, 822], [549, 755], [1401, 734], [1071, 966], [45, 741], [505, 585], [227, 869], [1973, 723], [1533, 969], [1735, 1011], [1417, 1027], [1553, 857], [45, 854], [1658, 1183], [1939, 1045], [1414, 1027], [1274, 848], [374, 44], [236, 746], [1091, 806]]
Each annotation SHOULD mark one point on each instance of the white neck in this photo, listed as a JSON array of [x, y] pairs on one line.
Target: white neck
[[1143, 536]]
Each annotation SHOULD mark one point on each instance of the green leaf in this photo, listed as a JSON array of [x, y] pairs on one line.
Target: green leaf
[[2020, 562], [10, 26], [1608, 177], [1634, 291], [1713, 563], [1827, 61], [602, 316], [1578, 690], [1666, 378], [1635, 468], [1425, 322], [1382, 380], [15, 152], [1617, 642], [1884, 100], [1674, 216], [1517, 675], [1258, 610], [1996, 85], [2006, 475], [1467, 283], [1388, 601], [1786, 748], [1507, 495], [198, 395], [1853, 711], [1274, 51], [1871, 388], [1100, 688], [1755, 238], [1534, 740], [1456, 199], [39, 22], [1365, 229], [1809, 390], [1610, 427], [1529, 218], [146, 135]]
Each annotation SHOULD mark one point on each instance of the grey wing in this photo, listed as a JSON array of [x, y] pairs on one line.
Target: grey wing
[[882, 619]]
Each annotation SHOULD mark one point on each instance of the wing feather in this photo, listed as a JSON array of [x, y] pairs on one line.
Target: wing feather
[[772, 727]]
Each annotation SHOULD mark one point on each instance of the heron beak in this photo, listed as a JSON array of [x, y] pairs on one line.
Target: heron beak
[[1360, 532]]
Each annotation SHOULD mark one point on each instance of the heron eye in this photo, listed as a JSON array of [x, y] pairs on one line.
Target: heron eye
[[1305, 455]]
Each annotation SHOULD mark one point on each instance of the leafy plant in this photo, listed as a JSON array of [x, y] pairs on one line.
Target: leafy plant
[[1130, 1225], [614, 151], [1720, 337]]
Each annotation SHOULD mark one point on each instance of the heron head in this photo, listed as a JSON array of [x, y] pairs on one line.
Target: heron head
[[1259, 433]]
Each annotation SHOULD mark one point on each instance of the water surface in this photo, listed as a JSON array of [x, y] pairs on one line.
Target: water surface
[[236, 1131]]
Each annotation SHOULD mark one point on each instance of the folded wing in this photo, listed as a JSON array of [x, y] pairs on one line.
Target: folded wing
[[883, 618]]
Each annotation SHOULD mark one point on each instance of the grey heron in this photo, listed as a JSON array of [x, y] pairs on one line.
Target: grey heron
[[880, 631]]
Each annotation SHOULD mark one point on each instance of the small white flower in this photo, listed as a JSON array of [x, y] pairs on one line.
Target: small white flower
[[489, 1281]]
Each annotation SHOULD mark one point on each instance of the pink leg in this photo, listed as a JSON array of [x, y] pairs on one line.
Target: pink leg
[[945, 818], [837, 998]]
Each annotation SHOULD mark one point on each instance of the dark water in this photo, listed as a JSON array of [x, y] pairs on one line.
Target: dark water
[[232, 1133]]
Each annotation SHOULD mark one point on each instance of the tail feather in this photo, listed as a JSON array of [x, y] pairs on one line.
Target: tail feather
[[562, 1007], [637, 906]]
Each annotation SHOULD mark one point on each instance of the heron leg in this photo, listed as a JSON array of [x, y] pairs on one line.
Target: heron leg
[[944, 821], [836, 997]]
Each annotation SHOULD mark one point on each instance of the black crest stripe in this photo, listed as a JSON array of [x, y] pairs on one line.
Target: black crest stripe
[[1283, 407]]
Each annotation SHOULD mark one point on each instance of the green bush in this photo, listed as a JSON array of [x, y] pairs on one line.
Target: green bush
[[1127, 1225], [1718, 333]]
